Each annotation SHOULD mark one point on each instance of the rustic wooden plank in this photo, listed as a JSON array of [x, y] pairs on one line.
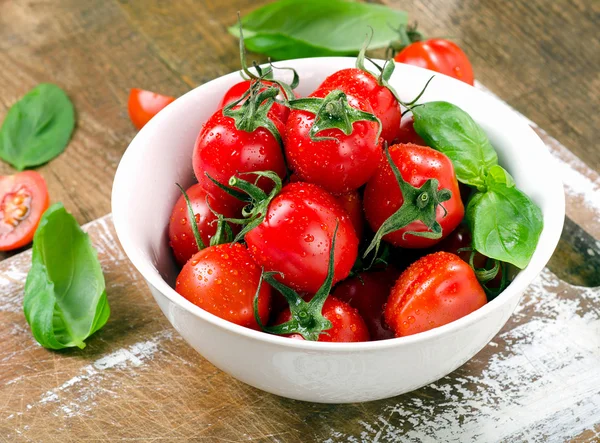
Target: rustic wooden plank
[[137, 379]]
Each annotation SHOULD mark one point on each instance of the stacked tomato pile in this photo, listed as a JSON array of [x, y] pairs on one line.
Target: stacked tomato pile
[[278, 240]]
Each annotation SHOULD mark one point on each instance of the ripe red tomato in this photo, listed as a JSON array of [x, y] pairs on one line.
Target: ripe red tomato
[[348, 325], [358, 83], [368, 292], [460, 238], [352, 203], [143, 105], [236, 92], [181, 236], [223, 280], [438, 55], [23, 200], [295, 237], [407, 133], [339, 165], [417, 164], [435, 290], [222, 151]]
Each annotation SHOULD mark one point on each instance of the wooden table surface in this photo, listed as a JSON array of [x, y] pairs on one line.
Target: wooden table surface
[[138, 380]]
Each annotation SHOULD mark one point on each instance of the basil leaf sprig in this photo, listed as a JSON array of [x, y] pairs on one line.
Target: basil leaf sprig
[[65, 298], [37, 128], [505, 223], [313, 28], [453, 132]]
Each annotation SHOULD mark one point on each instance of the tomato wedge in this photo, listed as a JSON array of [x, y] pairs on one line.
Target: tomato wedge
[[143, 105], [23, 200]]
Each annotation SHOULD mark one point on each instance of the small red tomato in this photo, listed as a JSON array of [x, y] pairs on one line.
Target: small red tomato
[[407, 133], [340, 164], [348, 325], [23, 200], [438, 55], [368, 292], [223, 151], [181, 236], [236, 92], [435, 290], [352, 203], [223, 280], [143, 105], [417, 164], [295, 237], [358, 83]]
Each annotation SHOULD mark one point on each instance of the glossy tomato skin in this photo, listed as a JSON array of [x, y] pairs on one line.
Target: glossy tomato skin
[[438, 55], [352, 203], [236, 92], [435, 290], [368, 293], [417, 164], [295, 237], [222, 151], [181, 236], [348, 325], [23, 199], [143, 105], [358, 83], [223, 280], [407, 133], [338, 166]]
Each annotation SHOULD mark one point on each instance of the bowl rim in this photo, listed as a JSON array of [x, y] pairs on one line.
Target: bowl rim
[[553, 225]]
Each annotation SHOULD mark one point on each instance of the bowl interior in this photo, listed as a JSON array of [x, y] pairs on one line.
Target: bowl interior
[[144, 190]]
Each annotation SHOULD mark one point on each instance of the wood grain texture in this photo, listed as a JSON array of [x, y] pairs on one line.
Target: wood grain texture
[[137, 379]]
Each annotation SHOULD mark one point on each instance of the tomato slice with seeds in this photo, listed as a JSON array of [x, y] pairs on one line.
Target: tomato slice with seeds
[[23, 200]]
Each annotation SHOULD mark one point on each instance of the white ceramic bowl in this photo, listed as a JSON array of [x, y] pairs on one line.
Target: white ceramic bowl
[[144, 193]]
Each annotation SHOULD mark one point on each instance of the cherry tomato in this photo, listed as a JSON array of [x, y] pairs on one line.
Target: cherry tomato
[[438, 55], [181, 236], [143, 105], [340, 165], [236, 92], [435, 290], [460, 238], [348, 325], [407, 133], [417, 164], [23, 200], [358, 83], [223, 280], [352, 203], [295, 237], [368, 292], [222, 151]]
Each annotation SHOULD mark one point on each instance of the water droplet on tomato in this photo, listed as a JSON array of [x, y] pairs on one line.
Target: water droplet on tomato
[[308, 238]]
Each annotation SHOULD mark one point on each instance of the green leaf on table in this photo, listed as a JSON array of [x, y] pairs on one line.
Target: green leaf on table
[[450, 130], [505, 224], [65, 299], [313, 28], [37, 128]]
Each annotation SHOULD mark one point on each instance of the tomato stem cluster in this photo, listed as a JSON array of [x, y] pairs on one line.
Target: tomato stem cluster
[[307, 319]]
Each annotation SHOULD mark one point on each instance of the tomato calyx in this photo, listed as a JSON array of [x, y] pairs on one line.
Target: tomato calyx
[[223, 234], [406, 36], [253, 112], [420, 204], [485, 275], [258, 200], [306, 317], [333, 112]]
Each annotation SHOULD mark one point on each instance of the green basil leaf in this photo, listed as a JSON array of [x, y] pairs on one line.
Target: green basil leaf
[[312, 28], [450, 130], [65, 299], [505, 224], [37, 128]]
